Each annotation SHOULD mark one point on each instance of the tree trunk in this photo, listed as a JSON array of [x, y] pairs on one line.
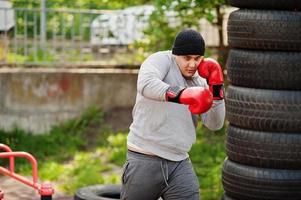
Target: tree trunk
[[222, 49]]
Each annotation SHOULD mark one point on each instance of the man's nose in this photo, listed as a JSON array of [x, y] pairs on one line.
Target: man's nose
[[193, 64]]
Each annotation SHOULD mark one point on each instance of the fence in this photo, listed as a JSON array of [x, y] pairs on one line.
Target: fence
[[75, 37], [67, 37]]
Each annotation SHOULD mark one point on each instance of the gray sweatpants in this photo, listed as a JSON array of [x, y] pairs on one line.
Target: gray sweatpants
[[151, 177]]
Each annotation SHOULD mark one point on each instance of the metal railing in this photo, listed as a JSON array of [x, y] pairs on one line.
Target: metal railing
[[67, 37], [73, 37], [45, 189]]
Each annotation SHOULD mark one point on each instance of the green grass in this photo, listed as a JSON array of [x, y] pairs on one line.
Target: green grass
[[61, 143], [83, 151]]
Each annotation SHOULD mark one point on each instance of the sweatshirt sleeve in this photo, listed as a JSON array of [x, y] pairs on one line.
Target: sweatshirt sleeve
[[150, 78], [214, 118]]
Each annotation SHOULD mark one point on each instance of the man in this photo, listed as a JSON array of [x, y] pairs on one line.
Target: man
[[171, 94]]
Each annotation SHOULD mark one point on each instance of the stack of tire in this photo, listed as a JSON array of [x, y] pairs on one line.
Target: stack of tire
[[263, 101]]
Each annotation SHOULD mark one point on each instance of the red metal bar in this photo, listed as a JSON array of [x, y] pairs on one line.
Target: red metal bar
[[44, 189], [11, 159], [1, 195], [18, 177]]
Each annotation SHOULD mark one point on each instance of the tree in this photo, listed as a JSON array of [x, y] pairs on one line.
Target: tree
[[169, 17], [184, 14]]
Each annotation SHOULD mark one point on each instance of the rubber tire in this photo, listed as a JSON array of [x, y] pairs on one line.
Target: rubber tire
[[264, 149], [264, 110], [98, 192], [46, 197], [264, 69], [244, 182], [265, 30], [266, 4]]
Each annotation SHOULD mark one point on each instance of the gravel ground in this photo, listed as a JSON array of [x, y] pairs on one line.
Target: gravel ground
[[14, 190]]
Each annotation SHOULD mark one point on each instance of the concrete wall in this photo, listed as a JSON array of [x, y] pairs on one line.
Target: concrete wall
[[35, 99]]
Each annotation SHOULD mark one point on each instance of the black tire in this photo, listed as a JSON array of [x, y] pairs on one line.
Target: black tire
[[266, 30], [251, 183], [264, 69], [46, 197], [98, 192], [264, 149], [267, 4], [264, 110]]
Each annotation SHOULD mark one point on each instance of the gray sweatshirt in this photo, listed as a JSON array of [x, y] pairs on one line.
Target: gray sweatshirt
[[164, 128]]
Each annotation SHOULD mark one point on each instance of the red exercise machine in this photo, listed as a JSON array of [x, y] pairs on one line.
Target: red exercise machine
[[45, 190]]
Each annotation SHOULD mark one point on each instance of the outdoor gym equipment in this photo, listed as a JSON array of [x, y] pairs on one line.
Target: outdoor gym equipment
[[45, 190]]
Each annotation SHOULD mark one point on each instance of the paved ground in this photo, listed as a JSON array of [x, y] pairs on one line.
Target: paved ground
[[13, 190]]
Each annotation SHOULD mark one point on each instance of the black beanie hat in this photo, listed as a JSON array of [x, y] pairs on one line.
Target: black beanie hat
[[188, 42]]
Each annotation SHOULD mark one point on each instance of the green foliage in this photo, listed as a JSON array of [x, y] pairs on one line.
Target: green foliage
[[69, 154], [160, 33], [41, 55], [60, 144], [50, 170], [117, 146], [170, 17], [82, 4], [48, 56], [85, 170], [184, 14], [15, 58]]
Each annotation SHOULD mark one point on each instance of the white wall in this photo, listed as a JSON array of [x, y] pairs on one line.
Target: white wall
[[35, 99]]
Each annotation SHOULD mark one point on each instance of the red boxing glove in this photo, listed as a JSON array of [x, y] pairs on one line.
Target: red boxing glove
[[199, 99], [212, 71]]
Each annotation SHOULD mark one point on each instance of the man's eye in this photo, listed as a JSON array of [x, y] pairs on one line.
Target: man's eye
[[200, 59]]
